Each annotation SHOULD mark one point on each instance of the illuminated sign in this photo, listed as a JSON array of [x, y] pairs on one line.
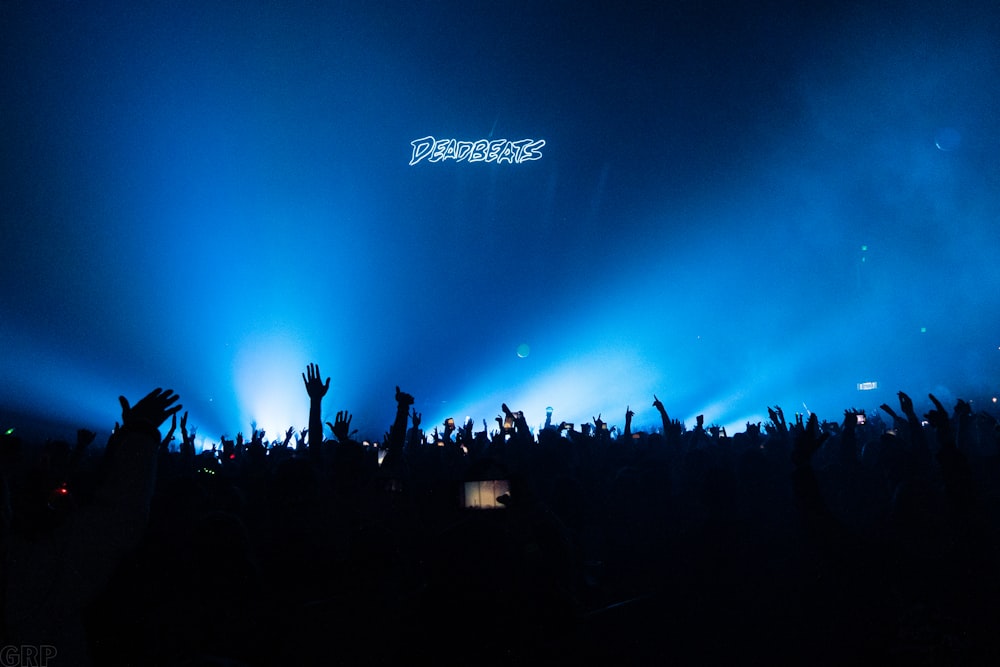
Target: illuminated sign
[[867, 386], [483, 150]]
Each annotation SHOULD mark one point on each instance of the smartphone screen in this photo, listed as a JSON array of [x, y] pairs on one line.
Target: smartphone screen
[[483, 494]]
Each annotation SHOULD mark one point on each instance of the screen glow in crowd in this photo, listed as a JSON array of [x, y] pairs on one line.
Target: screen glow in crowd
[[737, 207]]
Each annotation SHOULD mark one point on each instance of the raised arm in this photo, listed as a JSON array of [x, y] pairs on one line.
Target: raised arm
[[397, 434], [316, 389]]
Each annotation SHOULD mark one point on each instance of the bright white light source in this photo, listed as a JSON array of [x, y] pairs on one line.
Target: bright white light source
[[867, 386], [268, 382]]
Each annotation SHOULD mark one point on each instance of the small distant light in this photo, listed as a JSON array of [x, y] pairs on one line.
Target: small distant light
[[8, 431], [947, 139], [232, 456], [864, 248], [923, 329], [867, 386], [994, 399]]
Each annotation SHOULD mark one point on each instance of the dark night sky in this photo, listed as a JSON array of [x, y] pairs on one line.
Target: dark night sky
[[738, 204]]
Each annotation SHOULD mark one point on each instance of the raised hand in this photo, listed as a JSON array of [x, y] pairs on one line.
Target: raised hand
[[807, 441], [889, 411], [415, 416], [672, 428], [187, 439], [315, 387], [938, 418], [397, 432], [402, 398], [228, 448], [628, 421], [853, 418], [342, 426], [778, 420], [165, 443], [521, 425], [150, 412], [906, 405]]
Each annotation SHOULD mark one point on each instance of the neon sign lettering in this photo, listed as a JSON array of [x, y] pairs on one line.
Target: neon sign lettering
[[484, 150]]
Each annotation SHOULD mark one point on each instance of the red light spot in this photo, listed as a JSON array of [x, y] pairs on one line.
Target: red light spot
[[232, 456]]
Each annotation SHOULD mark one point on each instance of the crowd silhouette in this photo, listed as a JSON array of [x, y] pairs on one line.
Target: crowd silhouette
[[794, 541]]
